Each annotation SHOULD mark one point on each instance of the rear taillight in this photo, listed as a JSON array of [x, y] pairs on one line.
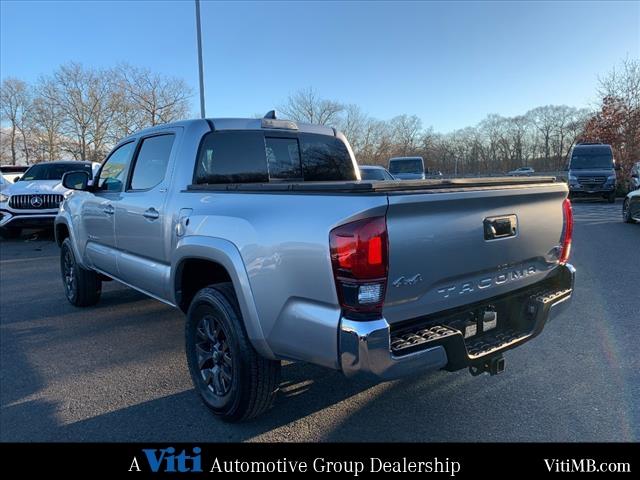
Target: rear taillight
[[359, 255], [567, 231]]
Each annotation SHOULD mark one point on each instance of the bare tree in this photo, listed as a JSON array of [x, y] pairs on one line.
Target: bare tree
[[623, 83], [406, 133], [5, 145], [47, 120], [353, 124], [306, 106], [543, 119], [156, 98], [517, 130], [15, 102], [83, 95]]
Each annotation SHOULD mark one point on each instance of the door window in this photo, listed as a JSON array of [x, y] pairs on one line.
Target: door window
[[114, 171], [151, 163], [231, 157]]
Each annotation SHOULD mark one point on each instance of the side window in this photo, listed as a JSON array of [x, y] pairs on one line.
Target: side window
[[283, 158], [151, 163], [232, 157], [114, 170], [325, 158]]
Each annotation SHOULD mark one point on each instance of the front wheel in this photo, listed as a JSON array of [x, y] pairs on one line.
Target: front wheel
[[611, 198], [81, 286], [233, 380], [626, 211]]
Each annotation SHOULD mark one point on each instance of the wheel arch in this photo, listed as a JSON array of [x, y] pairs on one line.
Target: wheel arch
[[198, 261], [62, 230]]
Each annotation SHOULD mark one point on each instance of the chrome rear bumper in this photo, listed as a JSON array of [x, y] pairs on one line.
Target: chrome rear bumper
[[365, 346]]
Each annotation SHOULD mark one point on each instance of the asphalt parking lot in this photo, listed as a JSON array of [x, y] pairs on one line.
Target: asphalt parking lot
[[117, 372]]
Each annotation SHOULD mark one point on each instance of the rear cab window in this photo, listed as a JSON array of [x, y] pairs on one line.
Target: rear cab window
[[283, 158], [255, 156], [325, 158]]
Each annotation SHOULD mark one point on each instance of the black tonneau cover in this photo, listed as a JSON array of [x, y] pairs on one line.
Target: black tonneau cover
[[365, 186]]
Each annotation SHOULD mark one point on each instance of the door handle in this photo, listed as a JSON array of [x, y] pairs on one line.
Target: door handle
[[500, 227], [108, 209], [151, 214]]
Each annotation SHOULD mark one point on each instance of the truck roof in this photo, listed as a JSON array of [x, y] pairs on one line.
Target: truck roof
[[406, 158], [240, 124], [593, 147]]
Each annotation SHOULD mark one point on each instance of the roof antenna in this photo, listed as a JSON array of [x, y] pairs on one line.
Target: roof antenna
[[271, 114]]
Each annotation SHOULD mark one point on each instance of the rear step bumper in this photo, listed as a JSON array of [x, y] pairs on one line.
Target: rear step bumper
[[373, 348]]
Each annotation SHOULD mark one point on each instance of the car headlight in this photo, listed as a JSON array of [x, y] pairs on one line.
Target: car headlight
[[573, 178], [611, 178], [4, 198]]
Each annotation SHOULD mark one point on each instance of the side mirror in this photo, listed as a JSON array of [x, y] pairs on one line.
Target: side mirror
[[15, 179], [75, 180]]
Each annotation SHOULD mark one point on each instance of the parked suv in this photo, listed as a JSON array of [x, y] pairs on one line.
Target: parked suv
[[261, 231], [11, 173], [631, 207], [407, 168], [32, 202], [522, 171], [374, 172], [592, 171], [634, 183]]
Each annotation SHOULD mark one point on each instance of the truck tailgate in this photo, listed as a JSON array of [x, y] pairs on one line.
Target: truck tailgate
[[443, 252]]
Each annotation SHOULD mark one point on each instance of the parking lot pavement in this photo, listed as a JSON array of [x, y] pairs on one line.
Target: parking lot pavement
[[117, 371]]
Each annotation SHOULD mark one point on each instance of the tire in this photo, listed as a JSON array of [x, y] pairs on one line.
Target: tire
[[232, 379], [626, 212], [10, 232], [82, 287], [611, 198]]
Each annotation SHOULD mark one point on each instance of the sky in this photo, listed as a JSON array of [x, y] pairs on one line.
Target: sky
[[449, 63]]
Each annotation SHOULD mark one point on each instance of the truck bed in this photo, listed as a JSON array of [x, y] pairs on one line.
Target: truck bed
[[439, 256], [390, 187]]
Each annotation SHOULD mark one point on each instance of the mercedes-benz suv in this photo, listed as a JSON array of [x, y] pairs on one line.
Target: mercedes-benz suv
[[32, 202]]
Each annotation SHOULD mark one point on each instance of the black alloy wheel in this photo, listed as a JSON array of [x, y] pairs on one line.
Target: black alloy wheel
[[214, 355]]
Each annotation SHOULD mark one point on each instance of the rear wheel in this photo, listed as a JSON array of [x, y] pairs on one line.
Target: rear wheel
[[10, 232], [626, 211], [233, 380], [81, 286]]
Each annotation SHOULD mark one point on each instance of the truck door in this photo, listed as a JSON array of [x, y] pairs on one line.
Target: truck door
[[99, 209], [142, 224]]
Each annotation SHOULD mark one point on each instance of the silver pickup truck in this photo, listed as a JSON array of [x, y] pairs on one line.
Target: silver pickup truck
[[261, 231]]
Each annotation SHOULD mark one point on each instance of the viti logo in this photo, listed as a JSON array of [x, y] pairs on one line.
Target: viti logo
[[167, 460]]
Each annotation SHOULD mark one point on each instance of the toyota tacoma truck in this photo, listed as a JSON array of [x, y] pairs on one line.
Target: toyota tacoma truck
[[263, 234]]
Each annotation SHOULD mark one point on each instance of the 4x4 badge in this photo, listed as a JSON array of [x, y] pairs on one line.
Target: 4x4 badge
[[407, 281]]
